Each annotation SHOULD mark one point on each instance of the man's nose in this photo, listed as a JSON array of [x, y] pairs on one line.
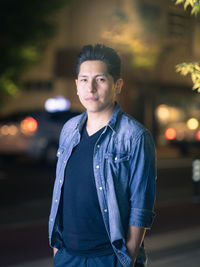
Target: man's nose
[[92, 86]]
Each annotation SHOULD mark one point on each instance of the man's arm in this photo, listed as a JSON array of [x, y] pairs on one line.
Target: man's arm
[[134, 239]]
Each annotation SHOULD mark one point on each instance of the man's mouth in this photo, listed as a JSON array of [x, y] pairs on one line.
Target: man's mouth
[[91, 98]]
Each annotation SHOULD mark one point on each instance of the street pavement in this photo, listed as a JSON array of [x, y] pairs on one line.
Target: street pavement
[[174, 239], [174, 242], [177, 248]]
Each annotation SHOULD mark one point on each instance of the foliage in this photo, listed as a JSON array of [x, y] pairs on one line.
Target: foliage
[[194, 69], [193, 4], [26, 26]]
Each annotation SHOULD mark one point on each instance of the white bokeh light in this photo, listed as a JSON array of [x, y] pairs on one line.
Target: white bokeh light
[[58, 103]]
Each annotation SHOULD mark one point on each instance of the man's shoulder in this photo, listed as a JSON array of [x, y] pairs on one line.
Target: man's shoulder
[[130, 126], [73, 121], [71, 124]]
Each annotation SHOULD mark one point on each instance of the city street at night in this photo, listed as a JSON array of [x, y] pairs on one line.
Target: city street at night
[[125, 64]]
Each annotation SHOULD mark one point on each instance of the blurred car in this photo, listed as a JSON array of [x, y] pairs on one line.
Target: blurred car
[[182, 136], [35, 133]]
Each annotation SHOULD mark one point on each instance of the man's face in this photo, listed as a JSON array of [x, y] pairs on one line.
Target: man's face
[[95, 86]]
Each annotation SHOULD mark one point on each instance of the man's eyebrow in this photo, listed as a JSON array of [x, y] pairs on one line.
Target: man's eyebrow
[[101, 74], [83, 75]]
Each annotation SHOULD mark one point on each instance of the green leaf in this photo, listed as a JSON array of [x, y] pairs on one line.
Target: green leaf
[[196, 86], [194, 77], [195, 10], [179, 2], [197, 67], [8, 86], [187, 3], [194, 4]]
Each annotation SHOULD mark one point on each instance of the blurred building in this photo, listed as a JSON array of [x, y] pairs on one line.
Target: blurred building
[[151, 37]]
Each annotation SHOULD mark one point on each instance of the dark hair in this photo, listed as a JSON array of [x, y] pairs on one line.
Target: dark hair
[[104, 53]]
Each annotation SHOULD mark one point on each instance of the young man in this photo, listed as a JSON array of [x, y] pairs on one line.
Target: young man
[[105, 178]]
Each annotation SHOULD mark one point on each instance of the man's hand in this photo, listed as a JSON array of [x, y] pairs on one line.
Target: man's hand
[[54, 251], [134, 239]]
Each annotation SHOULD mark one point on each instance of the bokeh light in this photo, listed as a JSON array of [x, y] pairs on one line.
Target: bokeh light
[[170, 134], [192, 124]]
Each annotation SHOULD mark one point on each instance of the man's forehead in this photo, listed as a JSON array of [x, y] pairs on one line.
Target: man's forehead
[[93, 67], [87, 74], [94, 63]]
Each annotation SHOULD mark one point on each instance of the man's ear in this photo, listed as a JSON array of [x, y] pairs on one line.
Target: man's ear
[[118, 86]]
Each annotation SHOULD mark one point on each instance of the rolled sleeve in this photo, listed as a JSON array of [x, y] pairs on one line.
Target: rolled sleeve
[[142, 182], [141, 218]]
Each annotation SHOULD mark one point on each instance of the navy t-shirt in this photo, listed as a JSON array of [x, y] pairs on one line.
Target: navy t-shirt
[[84, 232]]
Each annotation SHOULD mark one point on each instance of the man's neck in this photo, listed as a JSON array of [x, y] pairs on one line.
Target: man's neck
[[96, 121]]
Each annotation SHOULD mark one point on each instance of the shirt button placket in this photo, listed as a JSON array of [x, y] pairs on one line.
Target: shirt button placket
[[100, 187]]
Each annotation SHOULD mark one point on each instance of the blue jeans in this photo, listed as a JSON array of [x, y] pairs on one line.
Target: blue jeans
[[65, 259]]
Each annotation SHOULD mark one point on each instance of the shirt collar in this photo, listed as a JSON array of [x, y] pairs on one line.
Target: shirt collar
[[112, 123], [81, 121]]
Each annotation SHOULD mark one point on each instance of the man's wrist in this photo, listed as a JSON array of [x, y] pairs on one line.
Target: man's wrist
[[133, 263]]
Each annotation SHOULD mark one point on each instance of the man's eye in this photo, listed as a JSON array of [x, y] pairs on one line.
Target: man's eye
[[101, 80], [83, 80]]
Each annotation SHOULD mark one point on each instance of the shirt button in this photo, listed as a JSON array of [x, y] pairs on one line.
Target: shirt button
[[97, 166], [98, 146], [56, 200], [105, 210], [65, 161], [51, 219], [100, 187], [116, 158], [60, 181]]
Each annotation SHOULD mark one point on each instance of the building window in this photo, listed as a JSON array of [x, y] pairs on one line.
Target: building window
[[38, 86], [179, 26]]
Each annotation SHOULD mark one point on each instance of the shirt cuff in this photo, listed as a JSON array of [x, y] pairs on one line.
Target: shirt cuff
[[141, 218]]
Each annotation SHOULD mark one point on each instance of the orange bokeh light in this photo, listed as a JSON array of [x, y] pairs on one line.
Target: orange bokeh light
[[170, 134], [29, 125], [198, 135]]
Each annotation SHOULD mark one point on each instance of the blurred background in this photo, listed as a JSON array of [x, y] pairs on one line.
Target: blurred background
[[39, 42]]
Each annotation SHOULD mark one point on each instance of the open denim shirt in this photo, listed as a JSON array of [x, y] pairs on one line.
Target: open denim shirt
[[124, 170]]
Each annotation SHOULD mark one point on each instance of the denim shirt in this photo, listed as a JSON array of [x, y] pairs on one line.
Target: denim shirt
[[124, 171]]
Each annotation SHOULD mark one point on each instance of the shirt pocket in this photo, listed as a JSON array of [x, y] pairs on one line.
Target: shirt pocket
[[117, 166], [117, 170], [117, 157]]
